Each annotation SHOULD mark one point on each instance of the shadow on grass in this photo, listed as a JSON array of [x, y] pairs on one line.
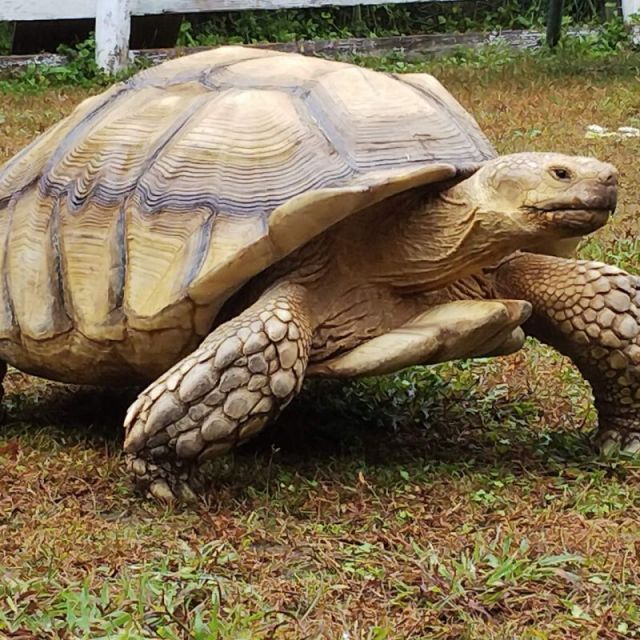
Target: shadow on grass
[[458, 431], [79, 414]]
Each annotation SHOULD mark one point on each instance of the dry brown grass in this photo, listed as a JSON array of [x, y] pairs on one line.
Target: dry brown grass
[[496, 521]]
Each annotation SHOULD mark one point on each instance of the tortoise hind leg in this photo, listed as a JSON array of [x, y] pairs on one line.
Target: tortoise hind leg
[[590, 312], [227, 390]]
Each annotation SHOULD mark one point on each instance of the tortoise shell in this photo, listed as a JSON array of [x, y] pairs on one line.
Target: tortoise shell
[[147, 207]]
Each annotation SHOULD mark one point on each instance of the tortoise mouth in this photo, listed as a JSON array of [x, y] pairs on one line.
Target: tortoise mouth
[[575, 221]]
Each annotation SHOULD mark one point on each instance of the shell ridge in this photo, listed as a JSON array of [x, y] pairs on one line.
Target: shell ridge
[[323, 123], [19, 192], [214, 82], [472, 136], [48, 188], [204, 237], [121, 267], [179, 78], [6, 290], [140, 82], [62, 291], [83, 189], [184, 119]]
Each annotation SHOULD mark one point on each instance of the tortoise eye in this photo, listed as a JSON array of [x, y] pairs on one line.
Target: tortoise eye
[[561, 174]]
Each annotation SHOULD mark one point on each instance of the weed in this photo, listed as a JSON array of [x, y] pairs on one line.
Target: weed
[[80, 71], [5, 38]]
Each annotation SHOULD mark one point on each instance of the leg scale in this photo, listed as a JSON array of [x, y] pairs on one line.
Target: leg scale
[[222, 394]]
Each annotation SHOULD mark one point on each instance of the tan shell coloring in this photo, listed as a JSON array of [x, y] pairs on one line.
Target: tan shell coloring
[[126, 226]]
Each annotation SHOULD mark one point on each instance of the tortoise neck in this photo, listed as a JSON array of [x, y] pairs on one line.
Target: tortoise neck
[[440, 238]]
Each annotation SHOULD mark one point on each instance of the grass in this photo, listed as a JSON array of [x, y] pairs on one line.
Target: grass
[[461, 502]]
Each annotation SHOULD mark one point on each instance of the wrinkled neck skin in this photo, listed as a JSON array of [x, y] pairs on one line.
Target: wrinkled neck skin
[[442, 237], [378, 269], [413, 243]]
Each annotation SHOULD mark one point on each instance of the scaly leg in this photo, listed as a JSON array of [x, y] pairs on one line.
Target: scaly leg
[[590, 312], [227, 390]]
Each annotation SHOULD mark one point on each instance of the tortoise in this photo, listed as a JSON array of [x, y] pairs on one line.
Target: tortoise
[[228, 222]]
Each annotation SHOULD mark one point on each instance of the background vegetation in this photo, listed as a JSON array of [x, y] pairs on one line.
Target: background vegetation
[[370, 21], [382, 20]]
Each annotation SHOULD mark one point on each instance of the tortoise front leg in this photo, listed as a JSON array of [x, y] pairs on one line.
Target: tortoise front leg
[[590, 312], [227, 390]]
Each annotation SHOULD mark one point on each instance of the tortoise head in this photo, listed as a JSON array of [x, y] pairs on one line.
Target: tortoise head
[[548, 195]]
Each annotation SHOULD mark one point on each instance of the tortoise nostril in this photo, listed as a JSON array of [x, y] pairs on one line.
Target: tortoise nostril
[[609, 177]]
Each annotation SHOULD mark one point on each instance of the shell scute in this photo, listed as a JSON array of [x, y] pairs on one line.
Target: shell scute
[[158, 198]]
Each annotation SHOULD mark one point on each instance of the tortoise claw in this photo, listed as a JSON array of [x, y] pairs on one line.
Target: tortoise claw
[[608, 443], [612, 443], [161, 491], [181, 493], [167, 486], [632, 447]]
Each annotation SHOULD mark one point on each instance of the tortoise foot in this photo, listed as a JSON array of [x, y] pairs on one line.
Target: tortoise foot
[[589, 311], [166, 483], [612, 442]]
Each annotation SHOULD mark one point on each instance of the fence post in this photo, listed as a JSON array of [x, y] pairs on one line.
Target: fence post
[[113, 27], [554, 22], [630, 7]]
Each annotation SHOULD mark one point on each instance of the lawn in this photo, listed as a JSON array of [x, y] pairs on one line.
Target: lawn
[[461, 502]]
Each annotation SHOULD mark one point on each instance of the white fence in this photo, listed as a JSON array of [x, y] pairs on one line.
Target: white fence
[[113, 17]]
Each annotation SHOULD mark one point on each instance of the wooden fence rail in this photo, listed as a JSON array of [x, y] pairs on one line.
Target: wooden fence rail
[[113, 17]]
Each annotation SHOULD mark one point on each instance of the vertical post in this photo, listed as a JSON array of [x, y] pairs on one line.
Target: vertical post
[[113, 26], [554, 22], [629, 8]]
